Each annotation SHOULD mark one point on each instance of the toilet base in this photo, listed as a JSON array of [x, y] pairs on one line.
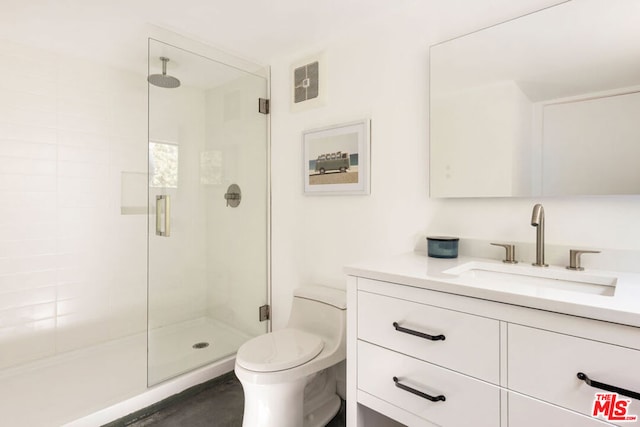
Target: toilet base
[[306, 402], [325, 413], [274, 405]]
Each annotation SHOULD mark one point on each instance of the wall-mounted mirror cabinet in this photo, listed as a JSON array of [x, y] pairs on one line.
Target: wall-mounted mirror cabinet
[[547, 104]]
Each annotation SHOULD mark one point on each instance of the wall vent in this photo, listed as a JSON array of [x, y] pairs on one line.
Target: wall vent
[[306, 82]]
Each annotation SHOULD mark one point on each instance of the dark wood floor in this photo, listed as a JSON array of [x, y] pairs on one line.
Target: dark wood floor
[[218, 403]]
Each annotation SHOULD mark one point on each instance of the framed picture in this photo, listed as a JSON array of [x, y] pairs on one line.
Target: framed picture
[[336, 159]]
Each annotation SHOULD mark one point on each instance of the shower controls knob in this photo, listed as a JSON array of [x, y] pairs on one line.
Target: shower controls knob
[[233, 196]]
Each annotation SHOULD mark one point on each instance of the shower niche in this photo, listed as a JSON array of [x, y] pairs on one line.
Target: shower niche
[[209, 275]]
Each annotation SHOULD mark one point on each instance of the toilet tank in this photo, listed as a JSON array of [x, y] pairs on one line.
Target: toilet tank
[[320, 310]]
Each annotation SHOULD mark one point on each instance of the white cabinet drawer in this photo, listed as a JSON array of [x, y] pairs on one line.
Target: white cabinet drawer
[[468, 402], [527, 412], [471, 344], [545, 365]]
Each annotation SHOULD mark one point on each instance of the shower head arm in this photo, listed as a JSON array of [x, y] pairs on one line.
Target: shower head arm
[[164, 65]]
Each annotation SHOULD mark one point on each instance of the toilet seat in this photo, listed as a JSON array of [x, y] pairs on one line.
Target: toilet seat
[[279, 350]]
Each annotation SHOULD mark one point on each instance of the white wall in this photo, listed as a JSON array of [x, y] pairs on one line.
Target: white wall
[[381, 71], [177, 268], [72, 268], [381, 75]]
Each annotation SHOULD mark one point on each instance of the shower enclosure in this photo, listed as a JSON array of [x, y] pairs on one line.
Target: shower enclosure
[[94, 305], [208, 210]]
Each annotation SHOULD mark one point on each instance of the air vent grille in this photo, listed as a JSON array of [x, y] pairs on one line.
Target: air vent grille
[[306, 82]]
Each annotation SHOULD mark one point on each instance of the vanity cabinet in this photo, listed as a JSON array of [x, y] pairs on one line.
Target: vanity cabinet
[[527, 412], [395, 378], [423, 357], [405, 327], [545, 365]]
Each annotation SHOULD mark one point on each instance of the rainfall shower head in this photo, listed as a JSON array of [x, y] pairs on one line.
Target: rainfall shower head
[[163, 80]]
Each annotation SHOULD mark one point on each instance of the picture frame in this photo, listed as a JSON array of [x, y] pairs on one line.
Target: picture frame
[[336, 159]]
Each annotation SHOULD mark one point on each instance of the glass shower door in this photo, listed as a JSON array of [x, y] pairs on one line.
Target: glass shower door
[[208, 210]]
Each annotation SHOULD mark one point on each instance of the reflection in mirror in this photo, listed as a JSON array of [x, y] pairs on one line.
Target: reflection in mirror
[[546, 104]]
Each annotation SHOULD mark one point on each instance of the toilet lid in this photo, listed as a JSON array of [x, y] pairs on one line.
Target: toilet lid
[[279, 350]]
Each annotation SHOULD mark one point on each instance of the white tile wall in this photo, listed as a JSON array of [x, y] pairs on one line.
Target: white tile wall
[[72, 269], [177, 272]]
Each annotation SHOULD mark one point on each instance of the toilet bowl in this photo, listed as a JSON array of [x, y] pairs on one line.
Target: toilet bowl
[[289, 376]]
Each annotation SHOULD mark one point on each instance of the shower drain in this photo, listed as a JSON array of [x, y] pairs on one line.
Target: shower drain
[[200, 345]]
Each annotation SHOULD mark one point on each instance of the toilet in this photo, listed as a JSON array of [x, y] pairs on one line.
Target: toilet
[[291, 377]]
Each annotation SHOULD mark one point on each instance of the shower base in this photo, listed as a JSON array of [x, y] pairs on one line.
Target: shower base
[[181, 347], [80, 387]]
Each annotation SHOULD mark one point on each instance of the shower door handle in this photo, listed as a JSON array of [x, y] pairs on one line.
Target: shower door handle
[[166, 202]]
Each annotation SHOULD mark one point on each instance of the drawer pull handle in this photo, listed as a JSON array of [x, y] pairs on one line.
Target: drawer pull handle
[[418, 334], [440, 398], [607, 387]]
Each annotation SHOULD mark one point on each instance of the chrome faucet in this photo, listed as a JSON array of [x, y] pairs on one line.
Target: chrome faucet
[[537, 220]]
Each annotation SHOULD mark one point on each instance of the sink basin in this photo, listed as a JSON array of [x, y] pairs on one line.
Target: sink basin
[[525, 276]]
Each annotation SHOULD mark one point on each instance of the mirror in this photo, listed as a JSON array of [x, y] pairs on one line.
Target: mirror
[[547, 104]]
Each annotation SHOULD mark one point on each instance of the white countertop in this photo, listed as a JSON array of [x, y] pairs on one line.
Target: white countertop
[[419, 270]]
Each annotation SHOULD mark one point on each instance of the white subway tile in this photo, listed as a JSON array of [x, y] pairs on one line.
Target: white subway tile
[[78, 259], [28, 133], [27, 83], [69, 244], [76, 169], [31, 150], [83, 155], [99, 125], [33, 279], [73, 275], [81, 90], [27, 116], [67, 291], [29, 231], [27, 314], [25, 100], [86, 107], [90, 297], [35, 67], [79, 227], [83, 139], [13, 165], [26, 183], [28, 200], [26, 264], [82, 200], [76, 72], [13, 248], [68, 128], [11, 215], [67, 184], [21, 50], [17, 299]]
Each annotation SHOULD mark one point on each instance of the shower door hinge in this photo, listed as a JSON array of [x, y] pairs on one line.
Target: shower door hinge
[[265, 313], [263, 106]]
